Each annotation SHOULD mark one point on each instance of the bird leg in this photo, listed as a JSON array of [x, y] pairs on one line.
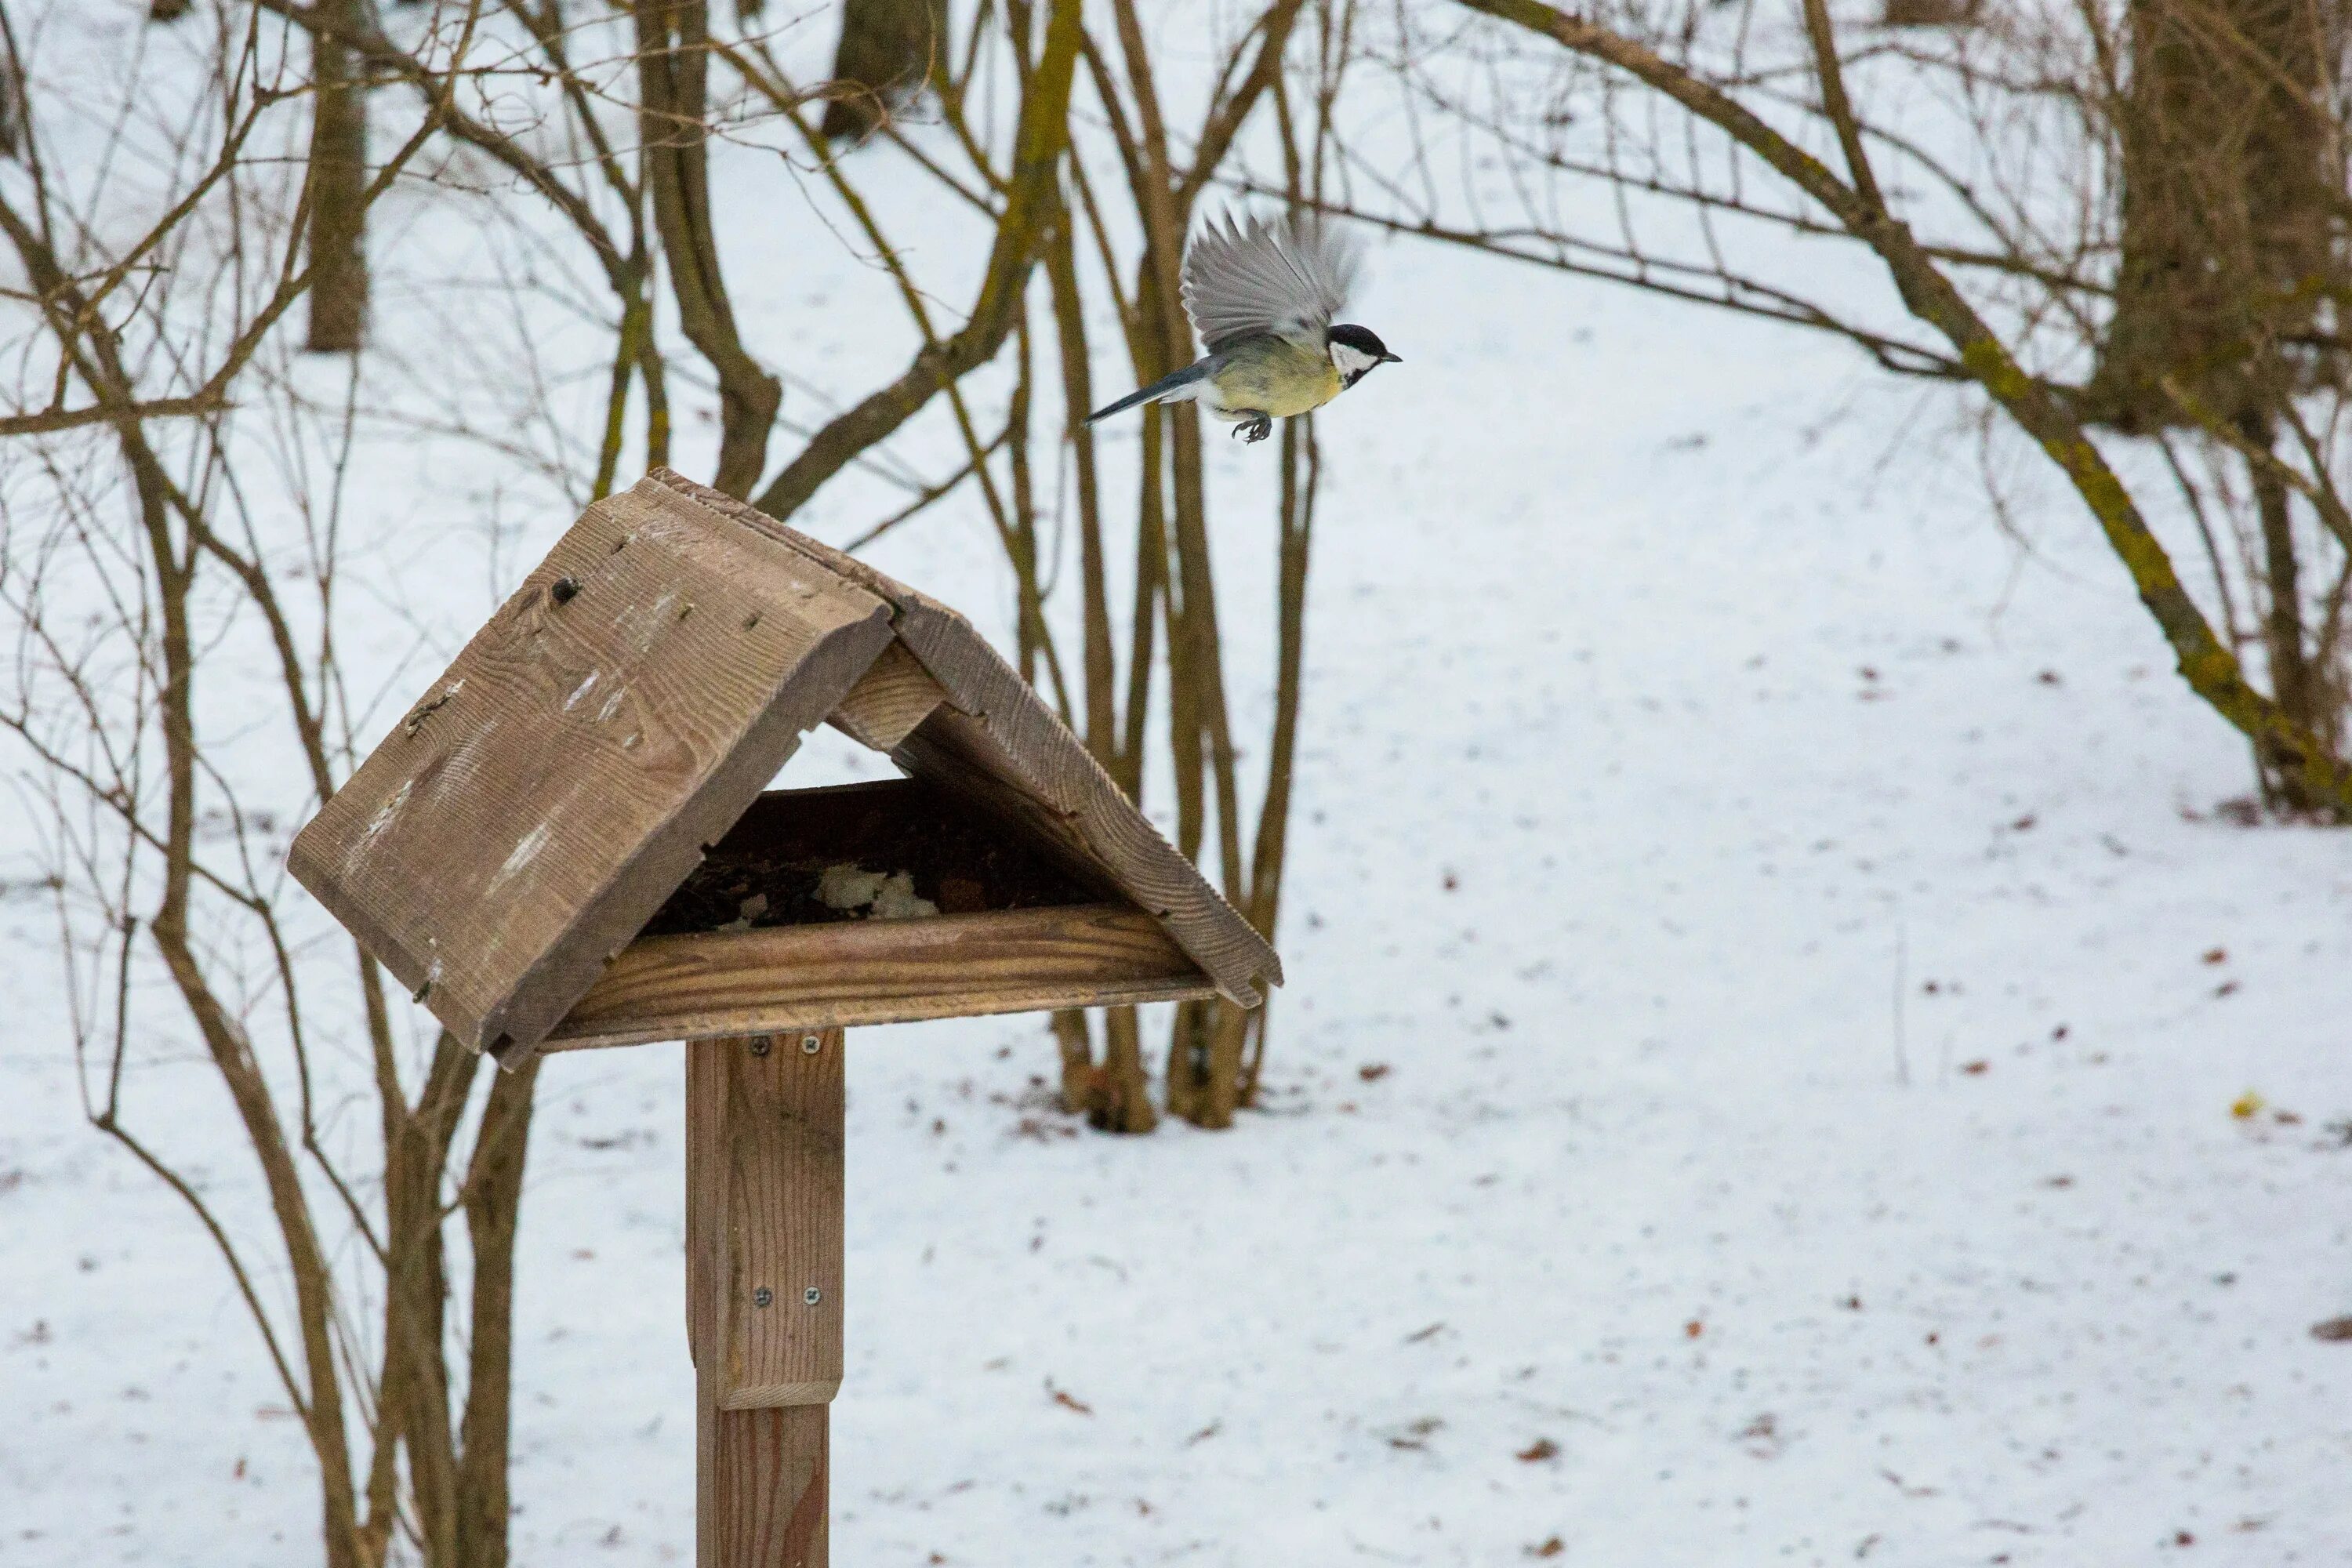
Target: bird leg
[[1255, 428]]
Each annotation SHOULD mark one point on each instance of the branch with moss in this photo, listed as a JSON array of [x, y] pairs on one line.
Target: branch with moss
[[2210, 667]]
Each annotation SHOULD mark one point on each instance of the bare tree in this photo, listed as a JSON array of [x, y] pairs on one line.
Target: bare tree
[[890, 50], [1998, 229], [339, 280]]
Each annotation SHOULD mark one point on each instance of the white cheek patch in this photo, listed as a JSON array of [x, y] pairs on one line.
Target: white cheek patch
[[1351, 361]]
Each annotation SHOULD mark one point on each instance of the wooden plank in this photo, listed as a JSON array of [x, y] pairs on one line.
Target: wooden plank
[[764, 1221], [762, 1479], [783, 978], [889, 700], [779, 1328], [1015, 754], [519, 826]]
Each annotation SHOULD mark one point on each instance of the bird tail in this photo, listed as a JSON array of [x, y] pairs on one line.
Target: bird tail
[[1171, 389]]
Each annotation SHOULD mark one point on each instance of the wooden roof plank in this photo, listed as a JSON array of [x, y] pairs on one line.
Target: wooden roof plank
[[616, 714], [888, 701]]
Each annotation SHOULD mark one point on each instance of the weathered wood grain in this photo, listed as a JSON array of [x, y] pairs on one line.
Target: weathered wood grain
[[1031, 770], [536, 807], [892, 696], [760, 1480], [764, 1220], [780, 1161], [784, 978]]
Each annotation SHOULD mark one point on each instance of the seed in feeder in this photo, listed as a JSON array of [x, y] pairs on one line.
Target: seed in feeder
[[847, 887], [882, 895], [897, 899]]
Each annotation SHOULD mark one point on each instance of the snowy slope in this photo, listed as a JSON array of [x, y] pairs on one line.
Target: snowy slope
[[1781, 912]]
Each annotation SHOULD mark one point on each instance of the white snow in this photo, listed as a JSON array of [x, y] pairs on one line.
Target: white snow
[[1751, 1038]]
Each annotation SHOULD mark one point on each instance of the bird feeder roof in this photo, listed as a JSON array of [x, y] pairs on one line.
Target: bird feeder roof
[[536, 807]]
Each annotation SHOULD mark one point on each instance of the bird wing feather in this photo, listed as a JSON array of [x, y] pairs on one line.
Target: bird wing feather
[[1284, 276]]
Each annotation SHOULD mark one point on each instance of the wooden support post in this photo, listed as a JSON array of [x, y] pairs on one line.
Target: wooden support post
[[763, 1245]]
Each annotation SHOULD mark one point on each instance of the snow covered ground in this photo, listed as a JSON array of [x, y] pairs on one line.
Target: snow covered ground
[[1767, 988]]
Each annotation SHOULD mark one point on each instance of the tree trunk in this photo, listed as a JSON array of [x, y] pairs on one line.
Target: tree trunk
[[888, 50], [673, 70], [338, 279], [2233, 190], [493, 1201]]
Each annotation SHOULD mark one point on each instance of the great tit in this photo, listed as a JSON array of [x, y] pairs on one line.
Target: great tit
[[1262, 296]]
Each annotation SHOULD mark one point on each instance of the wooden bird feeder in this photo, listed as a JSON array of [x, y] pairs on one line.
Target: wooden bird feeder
[[566, 842]]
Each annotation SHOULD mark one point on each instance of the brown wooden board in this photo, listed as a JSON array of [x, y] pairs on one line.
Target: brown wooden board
[[880, 971], [521, 823], [763, 1131], [764, 1202], [761, 1485], [996, 743], [890, 701]]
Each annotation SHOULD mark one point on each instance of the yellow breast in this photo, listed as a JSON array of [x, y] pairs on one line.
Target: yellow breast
[[1283, 379]]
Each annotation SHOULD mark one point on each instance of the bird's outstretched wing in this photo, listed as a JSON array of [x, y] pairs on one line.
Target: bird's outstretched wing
[[1266, 275]]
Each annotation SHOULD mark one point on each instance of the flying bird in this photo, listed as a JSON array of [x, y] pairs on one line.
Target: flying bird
[[1262, 295]]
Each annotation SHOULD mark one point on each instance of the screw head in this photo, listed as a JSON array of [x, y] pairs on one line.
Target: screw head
[[811, 1296], [762, 1045], [811, 1045], [763, 1296]]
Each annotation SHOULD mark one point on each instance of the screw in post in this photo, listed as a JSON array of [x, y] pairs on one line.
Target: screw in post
[[763, 1296], [811, 1296], [762, 1045], [809, 1045]]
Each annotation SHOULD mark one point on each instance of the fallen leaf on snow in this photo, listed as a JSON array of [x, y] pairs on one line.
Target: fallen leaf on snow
[[1535, 1453], [2335, 1330], [1062, 1397], [1552, 1547], [2247, 1106], [1415, 1437]]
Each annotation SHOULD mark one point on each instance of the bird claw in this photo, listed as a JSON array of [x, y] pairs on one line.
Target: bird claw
[[1252, 431]]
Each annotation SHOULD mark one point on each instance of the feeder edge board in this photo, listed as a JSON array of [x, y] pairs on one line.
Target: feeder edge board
[[880, 971]]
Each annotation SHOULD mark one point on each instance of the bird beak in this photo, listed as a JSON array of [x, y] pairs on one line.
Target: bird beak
[[1391, 359]]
